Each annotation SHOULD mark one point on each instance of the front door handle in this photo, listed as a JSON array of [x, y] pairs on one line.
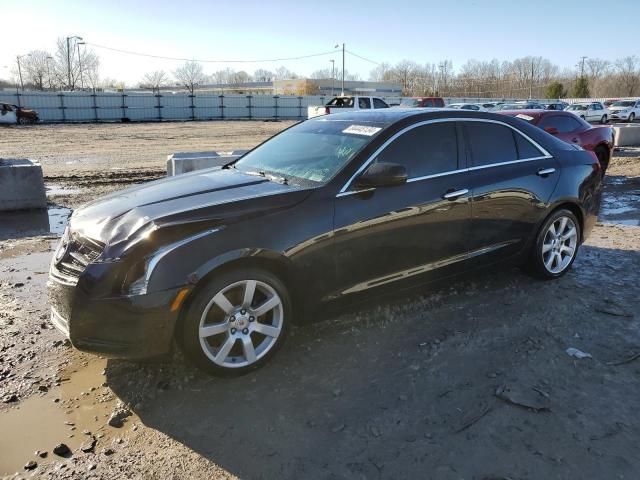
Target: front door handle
[[455, 194], [544, 172]]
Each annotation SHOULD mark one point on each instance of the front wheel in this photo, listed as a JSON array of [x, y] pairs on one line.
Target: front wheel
[[236, 322], [632, 117], [604, 119], [556, 245]]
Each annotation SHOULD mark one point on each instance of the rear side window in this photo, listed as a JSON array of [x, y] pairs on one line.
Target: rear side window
[[377, 103], [490, 143], [526, 149], [425, 150], [562, 123], [364, 103]]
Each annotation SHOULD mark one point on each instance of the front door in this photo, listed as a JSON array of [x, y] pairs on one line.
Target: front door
[[387, 235]]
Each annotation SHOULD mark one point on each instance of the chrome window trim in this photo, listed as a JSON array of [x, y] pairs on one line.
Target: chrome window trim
[[343, 191]]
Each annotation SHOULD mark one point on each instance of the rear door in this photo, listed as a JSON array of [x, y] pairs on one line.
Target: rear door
[[511, 179], [415, 230]]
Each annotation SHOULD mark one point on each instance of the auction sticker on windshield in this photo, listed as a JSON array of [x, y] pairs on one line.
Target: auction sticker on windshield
[[362, 130], [528, 118]]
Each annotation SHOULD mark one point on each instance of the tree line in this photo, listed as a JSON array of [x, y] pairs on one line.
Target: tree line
[[74, 67]]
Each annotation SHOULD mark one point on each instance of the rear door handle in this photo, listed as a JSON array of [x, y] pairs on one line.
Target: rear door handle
[[543, 172], [455, 194]]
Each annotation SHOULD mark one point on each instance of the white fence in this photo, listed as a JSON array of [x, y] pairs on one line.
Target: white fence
[[136, 106], [140, 106]]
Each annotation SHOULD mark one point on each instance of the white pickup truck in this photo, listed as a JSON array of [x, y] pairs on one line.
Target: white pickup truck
[[339, 104]]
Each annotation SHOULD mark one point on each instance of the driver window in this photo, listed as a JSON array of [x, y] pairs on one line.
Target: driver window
[[424, 150], [364, 103]]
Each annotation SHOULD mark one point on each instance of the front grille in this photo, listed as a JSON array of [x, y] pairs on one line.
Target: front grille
[[78, 254]]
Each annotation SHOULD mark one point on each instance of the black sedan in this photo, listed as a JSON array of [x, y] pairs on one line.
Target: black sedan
[[226, 260]]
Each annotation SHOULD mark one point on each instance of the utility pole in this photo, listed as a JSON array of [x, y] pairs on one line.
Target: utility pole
[[69, 58], [343, 69], [333, 76], [18, 57], [582, 66], [531, 81]]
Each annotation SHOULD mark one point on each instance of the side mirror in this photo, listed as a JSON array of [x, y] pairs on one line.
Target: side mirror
[[551, 130], [382, 174]]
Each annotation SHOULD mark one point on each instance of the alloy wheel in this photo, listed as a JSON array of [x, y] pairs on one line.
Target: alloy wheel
[[241, 323], [632, 117], [559, 245]]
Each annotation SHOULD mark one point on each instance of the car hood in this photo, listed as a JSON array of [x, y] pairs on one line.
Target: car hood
[[211, 196], [619, 109]]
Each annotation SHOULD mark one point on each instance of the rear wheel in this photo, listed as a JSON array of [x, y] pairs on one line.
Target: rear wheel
[[603, 157], [23, 121], [556, 245], [236, 322]]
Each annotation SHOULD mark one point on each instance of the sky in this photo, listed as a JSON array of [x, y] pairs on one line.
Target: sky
[[381, 31]]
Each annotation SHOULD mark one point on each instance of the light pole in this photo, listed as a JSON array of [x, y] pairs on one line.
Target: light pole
[[18, 57], [80, 64], [74, 37], [338, 46], [333, 76]]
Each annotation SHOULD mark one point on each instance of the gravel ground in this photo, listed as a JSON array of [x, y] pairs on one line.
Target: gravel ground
[[464, 380]]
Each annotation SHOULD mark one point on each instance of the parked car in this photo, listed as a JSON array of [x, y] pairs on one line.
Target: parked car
[[571, 129], [608, 103], [11, 114], [521, 106], [590, 111], [362, 203], [556, 106], [627, 110], [465, 106], [339, 104], [490, 106], [435, 102]]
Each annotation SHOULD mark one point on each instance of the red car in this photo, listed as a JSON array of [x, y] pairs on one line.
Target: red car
[[572, 129], [437, 102]]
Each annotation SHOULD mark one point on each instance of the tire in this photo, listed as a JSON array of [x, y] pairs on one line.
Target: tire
[[241, 336], [632, 117], [22, 121], [582, 117], [548, 245], [603, 157], [603, 120]]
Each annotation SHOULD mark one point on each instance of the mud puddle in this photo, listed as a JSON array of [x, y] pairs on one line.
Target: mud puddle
[[621, 202], [73, 413], [56, 189]]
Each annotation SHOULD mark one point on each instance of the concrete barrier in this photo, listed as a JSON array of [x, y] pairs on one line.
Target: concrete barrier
[[184, 162], [21, 185], [626, 135]]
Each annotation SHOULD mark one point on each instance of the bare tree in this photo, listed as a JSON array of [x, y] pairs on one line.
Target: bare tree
[[238, 78], [74, 65], [190, 75], [379, 74], [283, 73], [262, 75], [628, 74], [36, 69], [154, 80]]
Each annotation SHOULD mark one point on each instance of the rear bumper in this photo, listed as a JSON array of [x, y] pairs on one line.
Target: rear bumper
[[132, 327]]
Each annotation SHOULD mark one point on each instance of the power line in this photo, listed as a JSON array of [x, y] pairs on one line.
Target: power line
[[128, 52], [362, 58]]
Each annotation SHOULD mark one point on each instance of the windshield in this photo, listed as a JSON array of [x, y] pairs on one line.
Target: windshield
[[515, 106], [341, 102], [622, 104], [311, 152], [576, 106], [455, 105], [410, 102]]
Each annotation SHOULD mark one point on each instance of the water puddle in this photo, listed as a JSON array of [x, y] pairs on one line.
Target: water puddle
[[62, 415], [28, 223], [621, 202]]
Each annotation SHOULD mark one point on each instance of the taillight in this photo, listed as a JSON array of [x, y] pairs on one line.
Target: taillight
[[327, 111]]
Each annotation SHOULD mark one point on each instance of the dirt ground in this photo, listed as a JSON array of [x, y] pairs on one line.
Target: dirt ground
[[465, 380]]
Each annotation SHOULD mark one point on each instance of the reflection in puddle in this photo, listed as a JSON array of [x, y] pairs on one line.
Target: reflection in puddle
[[41, 422], [621, 202], [26, 223]]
